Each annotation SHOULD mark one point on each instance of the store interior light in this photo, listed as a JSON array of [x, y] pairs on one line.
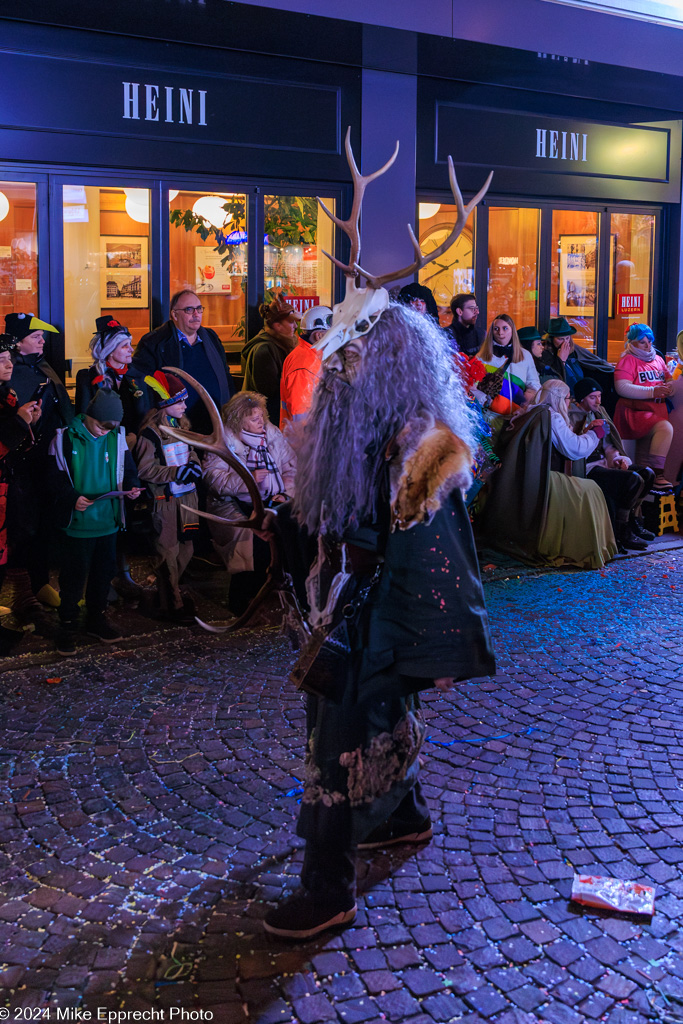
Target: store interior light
[[4, 205], [210, 209], [172, 193], [138, 211], [428, 210], [138, 195]]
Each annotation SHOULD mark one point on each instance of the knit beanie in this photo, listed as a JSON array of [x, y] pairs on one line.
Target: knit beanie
[[105, 406], [584, 387], [7, 343]]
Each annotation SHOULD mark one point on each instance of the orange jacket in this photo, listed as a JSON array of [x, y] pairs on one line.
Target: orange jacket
[[300, 373]]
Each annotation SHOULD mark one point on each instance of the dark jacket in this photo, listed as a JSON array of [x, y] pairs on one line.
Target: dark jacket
[[468, 338], [162, 347], [15, 433], [262, 360], [582, 363], [131, 390], [57, 410]]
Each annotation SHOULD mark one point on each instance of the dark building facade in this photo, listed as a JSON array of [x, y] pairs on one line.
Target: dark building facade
[[147, 149]]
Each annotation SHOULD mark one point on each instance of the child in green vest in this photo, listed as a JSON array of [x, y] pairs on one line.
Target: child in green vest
[[94, 471]]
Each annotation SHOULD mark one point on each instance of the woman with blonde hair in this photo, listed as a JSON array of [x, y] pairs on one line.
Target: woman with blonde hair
[[577, 529], [503, 355], [256, 442], [537, 510]]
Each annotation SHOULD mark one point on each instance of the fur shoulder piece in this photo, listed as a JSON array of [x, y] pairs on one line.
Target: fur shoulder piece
[[429, 462]]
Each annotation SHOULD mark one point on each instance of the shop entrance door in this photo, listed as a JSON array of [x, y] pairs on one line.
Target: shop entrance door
[[593, 267]]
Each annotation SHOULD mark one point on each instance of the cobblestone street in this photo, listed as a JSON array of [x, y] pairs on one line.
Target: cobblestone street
[[149, 796]]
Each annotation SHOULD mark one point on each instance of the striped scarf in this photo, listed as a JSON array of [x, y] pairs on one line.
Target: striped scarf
[[258, 457]]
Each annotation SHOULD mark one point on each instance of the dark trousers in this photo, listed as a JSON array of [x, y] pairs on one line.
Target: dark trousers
[[621, 487], [329, 868], [88, 562]]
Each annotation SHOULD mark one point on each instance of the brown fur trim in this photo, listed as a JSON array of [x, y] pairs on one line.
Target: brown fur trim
[[431, 463]]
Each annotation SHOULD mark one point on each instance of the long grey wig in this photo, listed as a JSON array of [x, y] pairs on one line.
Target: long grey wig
[[408, 369]]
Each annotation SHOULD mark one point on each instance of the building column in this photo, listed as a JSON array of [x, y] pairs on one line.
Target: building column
[[389, 113]]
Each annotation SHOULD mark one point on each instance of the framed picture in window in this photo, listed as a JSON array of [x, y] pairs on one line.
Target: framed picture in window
[[578, 275], [124, 272]]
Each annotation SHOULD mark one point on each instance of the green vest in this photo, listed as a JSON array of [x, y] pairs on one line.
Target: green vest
[[93, 471]]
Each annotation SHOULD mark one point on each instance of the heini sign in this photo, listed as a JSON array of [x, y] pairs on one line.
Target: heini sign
[[630, 305], [559, 145], [149, 102]]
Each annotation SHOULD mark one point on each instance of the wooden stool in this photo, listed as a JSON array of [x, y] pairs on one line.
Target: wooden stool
[[668, 519]]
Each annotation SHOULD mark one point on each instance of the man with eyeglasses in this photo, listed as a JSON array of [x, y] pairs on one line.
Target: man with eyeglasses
[[183, 342], [464, 328]]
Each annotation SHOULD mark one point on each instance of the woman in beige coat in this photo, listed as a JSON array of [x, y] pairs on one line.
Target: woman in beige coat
[[253, 439]]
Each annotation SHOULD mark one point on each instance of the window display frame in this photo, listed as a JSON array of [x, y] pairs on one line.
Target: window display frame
[[50, 182], [605, 255]]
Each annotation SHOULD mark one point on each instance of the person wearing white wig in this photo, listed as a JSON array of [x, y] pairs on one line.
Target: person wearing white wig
[[112, 351]]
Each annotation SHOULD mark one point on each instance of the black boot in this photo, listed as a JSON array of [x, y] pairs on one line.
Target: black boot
[[627, 539], [638, 528]]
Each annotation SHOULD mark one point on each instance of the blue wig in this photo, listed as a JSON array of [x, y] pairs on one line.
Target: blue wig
[[638, 331]]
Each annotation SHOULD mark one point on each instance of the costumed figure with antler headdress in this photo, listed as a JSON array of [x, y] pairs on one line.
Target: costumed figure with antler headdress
[[396, 603]]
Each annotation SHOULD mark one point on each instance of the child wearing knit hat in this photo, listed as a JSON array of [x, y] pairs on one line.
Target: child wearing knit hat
[[92, 472]]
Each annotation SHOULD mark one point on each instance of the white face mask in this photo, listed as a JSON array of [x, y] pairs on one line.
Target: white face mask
[[357, 314]]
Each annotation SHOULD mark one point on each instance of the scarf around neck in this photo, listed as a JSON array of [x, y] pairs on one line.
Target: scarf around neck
[[259, 457], [647, 357]]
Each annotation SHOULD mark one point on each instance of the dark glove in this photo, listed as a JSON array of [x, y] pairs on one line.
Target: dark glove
[[189, 474]]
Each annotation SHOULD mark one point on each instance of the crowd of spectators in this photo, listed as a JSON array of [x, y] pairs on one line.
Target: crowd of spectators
[[553, 484]]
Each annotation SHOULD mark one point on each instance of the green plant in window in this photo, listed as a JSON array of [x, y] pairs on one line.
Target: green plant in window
[[288, 220]]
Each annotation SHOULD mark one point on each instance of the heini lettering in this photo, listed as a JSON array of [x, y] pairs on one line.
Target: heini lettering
[[559, 145], [167, 103]]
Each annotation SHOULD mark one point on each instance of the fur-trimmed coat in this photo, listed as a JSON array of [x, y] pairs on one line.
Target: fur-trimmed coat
[[428, 463], [422, 618]]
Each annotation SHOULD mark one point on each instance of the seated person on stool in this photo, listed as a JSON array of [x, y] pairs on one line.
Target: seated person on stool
[[623, 485]]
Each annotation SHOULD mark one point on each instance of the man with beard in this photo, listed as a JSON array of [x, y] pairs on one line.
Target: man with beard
[[395, 594]]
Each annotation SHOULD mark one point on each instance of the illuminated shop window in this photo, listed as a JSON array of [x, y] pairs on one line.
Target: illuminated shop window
[[632, 238], [296, 233], [106, 264], [208, 253], [453, 272], [574, 272], [18, 248], [513, 264]]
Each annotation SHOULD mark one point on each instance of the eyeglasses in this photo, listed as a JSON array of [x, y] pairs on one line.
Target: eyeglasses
[[190, 309]]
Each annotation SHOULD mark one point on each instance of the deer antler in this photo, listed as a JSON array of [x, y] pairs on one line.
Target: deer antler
[[277, 581], [215, 442], [420, 259], [351, 226]]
